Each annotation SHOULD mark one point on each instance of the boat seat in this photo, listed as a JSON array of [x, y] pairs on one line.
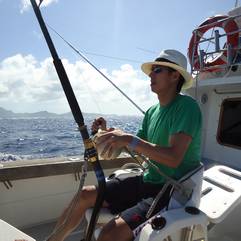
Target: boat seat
[[105, 215], [221, 192], [10, 233], [191, 181]]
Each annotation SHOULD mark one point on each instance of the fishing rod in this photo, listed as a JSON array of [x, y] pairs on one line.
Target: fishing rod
[[90, 63], [90, 151]]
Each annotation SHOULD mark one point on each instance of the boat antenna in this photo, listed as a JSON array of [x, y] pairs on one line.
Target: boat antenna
[[90, 63], [90, 151], [236, 4]]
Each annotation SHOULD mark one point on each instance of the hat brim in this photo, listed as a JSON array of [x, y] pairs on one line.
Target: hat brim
[[147, 68]]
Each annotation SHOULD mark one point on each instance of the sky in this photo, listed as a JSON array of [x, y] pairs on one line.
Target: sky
[[130, 32]]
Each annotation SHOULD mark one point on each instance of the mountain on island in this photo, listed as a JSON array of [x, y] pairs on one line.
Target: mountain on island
[[41, 114], [5, 114]]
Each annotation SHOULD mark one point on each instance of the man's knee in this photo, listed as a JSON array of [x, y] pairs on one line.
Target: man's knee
[[117, 229], [107, 231], [88, 196]]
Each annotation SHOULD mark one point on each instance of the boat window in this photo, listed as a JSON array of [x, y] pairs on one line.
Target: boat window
[[229, 130]]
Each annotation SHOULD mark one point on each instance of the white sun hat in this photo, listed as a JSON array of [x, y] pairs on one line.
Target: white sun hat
[[177, 61]]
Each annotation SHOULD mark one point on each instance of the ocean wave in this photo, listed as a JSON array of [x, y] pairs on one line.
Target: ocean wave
[[4, 157], [47, 138]]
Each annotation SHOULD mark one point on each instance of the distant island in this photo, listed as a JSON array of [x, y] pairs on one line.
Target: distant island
[[44, 114], [5, 114]]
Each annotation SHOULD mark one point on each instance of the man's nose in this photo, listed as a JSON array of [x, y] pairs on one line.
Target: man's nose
[[152, 74]]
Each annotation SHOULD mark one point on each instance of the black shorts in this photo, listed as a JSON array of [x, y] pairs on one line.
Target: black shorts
[[132, 198]]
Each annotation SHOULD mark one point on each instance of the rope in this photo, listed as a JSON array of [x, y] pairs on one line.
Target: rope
[[156, 200], [170, 181]]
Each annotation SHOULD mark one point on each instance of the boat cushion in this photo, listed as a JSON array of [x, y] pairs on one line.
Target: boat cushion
[[10, 233], [221, 192]]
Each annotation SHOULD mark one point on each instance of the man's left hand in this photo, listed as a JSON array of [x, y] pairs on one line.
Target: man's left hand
[[113, 140]]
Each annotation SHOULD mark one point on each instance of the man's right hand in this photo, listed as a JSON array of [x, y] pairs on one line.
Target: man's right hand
[[99, 123]]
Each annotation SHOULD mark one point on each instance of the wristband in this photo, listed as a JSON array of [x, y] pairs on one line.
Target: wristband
[[134, 142]]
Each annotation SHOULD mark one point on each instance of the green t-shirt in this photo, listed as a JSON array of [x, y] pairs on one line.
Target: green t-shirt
[[160, 122]]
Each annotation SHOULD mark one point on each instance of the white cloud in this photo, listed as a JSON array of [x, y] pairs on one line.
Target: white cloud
[[25, 4], [25, 81]]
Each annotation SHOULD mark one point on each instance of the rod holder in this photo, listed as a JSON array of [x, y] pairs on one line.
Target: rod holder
[[229, 55], [201, 58], [217, 43]]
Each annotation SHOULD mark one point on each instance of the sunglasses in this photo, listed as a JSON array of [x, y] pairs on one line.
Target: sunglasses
[[159, 69]]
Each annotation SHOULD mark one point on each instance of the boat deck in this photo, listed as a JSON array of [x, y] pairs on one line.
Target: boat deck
[[42, 231]]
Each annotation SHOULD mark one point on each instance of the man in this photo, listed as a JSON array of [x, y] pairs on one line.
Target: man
[[170, 137]]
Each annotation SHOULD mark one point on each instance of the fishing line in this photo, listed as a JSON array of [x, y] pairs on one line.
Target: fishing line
[[147, 50], [93, 98], [108, 79]]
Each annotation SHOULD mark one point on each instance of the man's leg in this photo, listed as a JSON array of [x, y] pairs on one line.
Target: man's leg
[[121, 228], [117, 229], [72, 215]]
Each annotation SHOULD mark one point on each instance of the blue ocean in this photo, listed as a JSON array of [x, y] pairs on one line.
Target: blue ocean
[[33, 138]]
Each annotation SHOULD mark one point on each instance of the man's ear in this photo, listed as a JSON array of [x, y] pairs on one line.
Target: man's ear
[[175, 76]]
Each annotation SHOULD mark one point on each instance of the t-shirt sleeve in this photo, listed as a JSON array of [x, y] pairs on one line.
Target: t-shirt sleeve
[[187, 119], [142, 132]]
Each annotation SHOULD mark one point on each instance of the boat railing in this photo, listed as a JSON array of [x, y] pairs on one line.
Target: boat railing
[[229, 50]]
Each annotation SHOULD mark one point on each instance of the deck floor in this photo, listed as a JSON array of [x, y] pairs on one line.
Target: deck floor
[[41, 232]]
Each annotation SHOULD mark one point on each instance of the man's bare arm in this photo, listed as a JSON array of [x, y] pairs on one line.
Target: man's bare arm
[[170, 156]]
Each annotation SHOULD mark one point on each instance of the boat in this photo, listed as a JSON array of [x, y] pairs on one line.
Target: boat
[[34, 193]]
